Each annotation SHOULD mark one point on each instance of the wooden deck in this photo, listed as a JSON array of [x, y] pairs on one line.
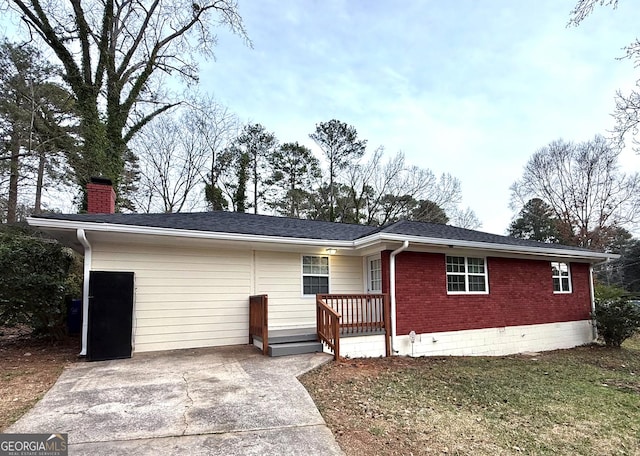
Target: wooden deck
[[340, 315], [344, 315], [337, 316]]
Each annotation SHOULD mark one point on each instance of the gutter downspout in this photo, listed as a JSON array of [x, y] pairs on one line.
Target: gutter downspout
[[594, 329], [392, 290], [82, 237]]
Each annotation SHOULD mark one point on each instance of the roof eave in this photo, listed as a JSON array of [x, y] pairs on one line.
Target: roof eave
[[595, 257], [358, 244], [194, 234]]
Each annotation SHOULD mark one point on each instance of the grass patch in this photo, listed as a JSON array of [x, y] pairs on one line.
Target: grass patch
[[29, 369], [580, 401]]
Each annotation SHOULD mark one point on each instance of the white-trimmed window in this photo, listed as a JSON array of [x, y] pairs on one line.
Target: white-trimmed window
[[315, 275], [561, 277], [466, 275], [375, 275]]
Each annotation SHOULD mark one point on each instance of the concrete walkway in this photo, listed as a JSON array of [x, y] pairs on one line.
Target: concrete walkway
[[221, 401]]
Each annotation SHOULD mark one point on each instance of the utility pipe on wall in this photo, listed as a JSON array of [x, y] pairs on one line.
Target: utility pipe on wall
[[82, 237], [392, 291]]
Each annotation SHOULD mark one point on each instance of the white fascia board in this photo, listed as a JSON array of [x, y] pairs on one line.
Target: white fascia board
[[549, 252], [156, 231]]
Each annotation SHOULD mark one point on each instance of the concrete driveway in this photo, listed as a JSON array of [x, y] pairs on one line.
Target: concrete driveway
[[219, 401]]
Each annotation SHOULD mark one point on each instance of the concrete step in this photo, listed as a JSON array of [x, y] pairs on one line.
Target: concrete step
[[294, 348]]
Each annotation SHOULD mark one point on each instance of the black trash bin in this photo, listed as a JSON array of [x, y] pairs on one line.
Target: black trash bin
[[74, 316]]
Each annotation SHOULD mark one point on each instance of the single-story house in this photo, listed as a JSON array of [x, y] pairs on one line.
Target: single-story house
[[184, 280]]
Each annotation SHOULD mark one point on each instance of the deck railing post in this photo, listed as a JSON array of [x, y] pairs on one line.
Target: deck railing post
[[364, 314], [336, 338], [265, 325], [259, 320], [386, 312], [328, 325]]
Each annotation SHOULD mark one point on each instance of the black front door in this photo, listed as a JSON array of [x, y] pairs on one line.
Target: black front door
[[110, 315]]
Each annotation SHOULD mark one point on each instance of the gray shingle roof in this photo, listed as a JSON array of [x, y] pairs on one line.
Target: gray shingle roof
[[230, 222], [440, 231], [265, 225]]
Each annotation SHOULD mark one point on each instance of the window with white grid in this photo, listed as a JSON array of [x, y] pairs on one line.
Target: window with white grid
[[466, 275], [561, 276], [315, 275]]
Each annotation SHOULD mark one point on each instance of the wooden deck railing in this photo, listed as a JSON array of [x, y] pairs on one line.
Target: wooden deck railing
[[328, 326], [364, 314], [258, 320]]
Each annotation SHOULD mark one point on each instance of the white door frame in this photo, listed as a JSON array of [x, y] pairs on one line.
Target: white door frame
[[367, 274]]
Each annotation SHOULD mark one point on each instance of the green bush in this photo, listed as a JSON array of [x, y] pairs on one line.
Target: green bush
[[606, 292], [615, 317], [34, 281]]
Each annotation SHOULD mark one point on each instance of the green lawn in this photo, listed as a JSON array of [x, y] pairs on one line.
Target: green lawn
[[580, 401]]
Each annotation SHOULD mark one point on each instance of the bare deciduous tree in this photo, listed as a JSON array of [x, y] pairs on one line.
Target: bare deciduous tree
[[584, 186], [180, 158], [379, 192], [400, 189], [585, 7], [627, 110], [171, 163], [395, 188], [216, 127], [465, 218], [112, 54]]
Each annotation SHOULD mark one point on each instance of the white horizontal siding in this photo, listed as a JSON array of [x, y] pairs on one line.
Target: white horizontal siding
[[346, 275], [185, 297], [279, 275], [185, 312], [194, 340], [190, 297], [176, 327]]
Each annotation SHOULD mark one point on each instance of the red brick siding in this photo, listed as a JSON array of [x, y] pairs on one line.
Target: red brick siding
[[521, 293], [101, 199]]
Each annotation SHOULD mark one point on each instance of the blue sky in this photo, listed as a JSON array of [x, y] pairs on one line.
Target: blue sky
[[466, 87]]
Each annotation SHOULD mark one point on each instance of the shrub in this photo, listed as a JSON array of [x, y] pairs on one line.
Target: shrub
[[616, 317], [606, 292], [34, 281]]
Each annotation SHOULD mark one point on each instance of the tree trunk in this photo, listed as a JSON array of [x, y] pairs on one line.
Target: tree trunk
[[89, 160], [240, 195], [331, 195], [37, 209], [292, 208], [255, 183], [14, 170]]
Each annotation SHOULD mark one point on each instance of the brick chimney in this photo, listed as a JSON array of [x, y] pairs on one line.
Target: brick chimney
[[101, 198]]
